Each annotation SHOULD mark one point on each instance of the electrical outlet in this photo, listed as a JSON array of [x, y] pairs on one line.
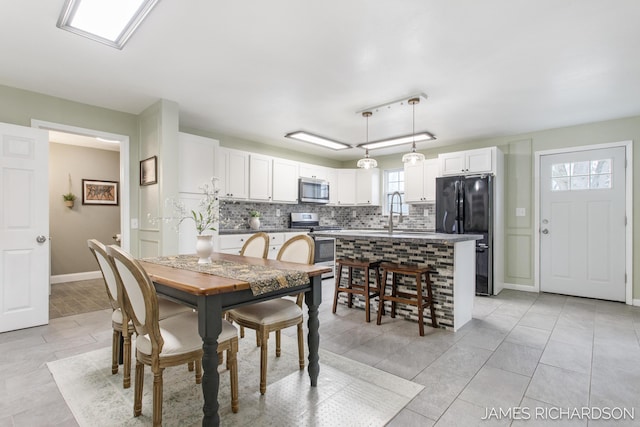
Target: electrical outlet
[[520, 212], [425, 213], [353, 214], [333, 214], [277, 212], [134, 223]]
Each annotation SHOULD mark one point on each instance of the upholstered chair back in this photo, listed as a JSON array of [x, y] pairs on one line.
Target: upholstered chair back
[[300, 249], [99, 251], [256, 246]]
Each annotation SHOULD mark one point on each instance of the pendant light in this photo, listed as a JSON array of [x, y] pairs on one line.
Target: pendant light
[[413, 157], [367, 162]]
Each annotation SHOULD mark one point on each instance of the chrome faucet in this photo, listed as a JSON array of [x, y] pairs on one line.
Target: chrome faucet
[[391, 210]]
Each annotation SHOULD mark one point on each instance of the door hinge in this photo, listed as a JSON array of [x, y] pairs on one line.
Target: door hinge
[[625, 220], [625, 278]]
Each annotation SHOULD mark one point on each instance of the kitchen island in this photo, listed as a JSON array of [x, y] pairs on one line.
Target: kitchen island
[[451, 257]]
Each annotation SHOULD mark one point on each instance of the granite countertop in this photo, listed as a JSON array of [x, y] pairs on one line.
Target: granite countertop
[[266, 230], [399, 235]]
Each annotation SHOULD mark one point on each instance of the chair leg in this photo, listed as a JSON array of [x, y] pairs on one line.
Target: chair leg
[[257, 339], [278, 340], [199, 371], [432, 307], [190, 366], [335, 295], [300, 346], [241, 331], [382, 287], [379, 286], [115, 351], [394, 293], [139, 384], [350, 281], [126, 360], [232, 365], [263, 362], [367, 314], [157, 398], [420, 305]]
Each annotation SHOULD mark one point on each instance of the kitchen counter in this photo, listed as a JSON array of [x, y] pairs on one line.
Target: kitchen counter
[[384, 235], [266, 230], [451, 257]]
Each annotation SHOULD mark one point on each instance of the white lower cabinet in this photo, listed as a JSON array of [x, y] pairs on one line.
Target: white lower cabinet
[[232, 243]]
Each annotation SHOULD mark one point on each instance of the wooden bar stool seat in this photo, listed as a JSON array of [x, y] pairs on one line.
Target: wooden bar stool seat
[[352, 288], [418, 299]]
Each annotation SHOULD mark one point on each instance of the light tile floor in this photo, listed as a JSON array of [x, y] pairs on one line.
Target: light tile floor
[[521, 349]]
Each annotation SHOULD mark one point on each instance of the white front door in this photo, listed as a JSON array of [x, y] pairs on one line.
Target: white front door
[[24, 227], [582, 223]]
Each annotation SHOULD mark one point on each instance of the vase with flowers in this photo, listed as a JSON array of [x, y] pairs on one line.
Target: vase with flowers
[[254, 219], [205, 217]]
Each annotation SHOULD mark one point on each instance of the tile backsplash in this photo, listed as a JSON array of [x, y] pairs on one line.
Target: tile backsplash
[[234, 215]]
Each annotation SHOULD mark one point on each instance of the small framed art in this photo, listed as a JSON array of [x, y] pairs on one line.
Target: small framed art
[[96, 192], [149, 171]]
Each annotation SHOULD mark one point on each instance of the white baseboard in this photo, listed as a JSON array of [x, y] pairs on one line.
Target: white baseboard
[[515, 287], [74, 277], [636, 302]]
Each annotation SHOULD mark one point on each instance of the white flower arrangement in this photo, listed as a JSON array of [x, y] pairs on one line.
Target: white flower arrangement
[[204, 218]]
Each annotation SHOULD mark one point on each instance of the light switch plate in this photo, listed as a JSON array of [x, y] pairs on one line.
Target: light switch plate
[[426, 213], [134, 223], [521, 212], [353, 214], [333, 214], [277, 212]]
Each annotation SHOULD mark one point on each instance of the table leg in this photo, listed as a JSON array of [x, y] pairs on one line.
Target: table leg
[[210, 326], [313, 298]]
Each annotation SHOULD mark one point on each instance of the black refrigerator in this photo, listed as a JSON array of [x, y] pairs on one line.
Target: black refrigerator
[[464, 206]]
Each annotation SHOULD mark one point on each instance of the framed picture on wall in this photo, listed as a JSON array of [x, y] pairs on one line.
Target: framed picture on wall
[[149, 171], [96, 192]]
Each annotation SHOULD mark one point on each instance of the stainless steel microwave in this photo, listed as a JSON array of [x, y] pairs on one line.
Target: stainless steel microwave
[[312, 190]]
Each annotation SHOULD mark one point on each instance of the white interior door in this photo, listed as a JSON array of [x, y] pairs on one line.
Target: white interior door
[[24, 227], [582, 223]]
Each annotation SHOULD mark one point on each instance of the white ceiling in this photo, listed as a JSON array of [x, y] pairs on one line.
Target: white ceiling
[[258, 69]]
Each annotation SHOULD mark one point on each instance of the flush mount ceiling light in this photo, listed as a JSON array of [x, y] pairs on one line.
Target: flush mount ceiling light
[[413, 157], [367, 162], [111, 22], [317, 140]]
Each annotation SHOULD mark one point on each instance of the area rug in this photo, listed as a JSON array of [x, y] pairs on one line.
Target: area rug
[[348, 392]]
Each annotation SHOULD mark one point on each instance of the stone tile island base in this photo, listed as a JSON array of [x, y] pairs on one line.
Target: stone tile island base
[[452, 259]]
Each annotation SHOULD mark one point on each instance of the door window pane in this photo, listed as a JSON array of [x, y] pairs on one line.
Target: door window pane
[[586, 175]]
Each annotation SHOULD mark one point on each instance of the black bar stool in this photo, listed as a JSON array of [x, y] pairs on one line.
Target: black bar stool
[[365, 289], [418, 299]]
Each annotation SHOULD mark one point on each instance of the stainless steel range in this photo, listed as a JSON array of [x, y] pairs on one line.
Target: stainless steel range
[[325, 247]]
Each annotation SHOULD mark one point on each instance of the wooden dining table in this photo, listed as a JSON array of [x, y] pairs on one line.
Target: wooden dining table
[[211, 295]]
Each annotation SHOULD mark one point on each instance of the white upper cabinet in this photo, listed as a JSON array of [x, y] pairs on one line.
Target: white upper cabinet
[[420, 181], [332, 178], [313, 171], [233, 171], [482, 160], [368, 187], [196, 162], [285, 181], [346, 181], [260, 177]]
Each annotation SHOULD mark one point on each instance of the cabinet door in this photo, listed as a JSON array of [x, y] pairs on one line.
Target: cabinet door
[[429, 172], [259, 177], [233, 171], [413, 182], [368, 187], [479, 160], [332, 178], [285, 181], [346, 187], [452, 163], [196, 156]]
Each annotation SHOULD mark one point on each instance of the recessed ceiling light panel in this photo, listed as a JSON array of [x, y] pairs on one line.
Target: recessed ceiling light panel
[[408, 139], [317, 140], [111, 22]]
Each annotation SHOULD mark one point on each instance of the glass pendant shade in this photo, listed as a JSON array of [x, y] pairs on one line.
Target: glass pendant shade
[[367, 162], [413, 157]]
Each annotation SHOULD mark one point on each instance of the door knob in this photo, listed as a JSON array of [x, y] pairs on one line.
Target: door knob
[[41, 239], [545, 231]]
